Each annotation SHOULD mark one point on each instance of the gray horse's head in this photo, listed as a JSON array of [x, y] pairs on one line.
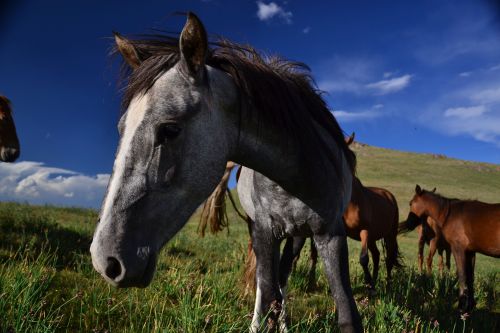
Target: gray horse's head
[[172, 153]]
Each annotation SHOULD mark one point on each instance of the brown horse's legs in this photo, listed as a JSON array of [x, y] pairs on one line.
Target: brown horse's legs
[[376, 260], [470, 262], [464, 265], [364, 259], [440, 262], [432, 251], [448, 255], [421, 244]]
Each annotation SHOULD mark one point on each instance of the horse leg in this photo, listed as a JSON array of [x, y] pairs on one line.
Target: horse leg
[[430, 256], [462, 279], [421, 244], [470, 261], [268, 297], [448, 255], [333, 249], [372, 246], [364, 259], [312, 270], [298, 244], [291, 251], [441, 261]]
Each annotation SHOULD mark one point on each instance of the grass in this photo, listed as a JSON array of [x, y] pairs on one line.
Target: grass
[[47, 283]]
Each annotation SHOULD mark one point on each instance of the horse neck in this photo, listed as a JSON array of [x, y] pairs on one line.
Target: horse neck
[[266, 149], [438, 209]]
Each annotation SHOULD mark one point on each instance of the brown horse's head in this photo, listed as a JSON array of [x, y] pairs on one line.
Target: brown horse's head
[[418, 208], [9, 143]]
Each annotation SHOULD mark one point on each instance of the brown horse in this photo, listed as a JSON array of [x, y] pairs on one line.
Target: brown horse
[[430, 233], [469, 226], [9, 143]]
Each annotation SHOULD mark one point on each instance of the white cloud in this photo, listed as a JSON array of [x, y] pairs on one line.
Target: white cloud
[[345, 74], [378, 106], [388, 86], [465, 74], [491, 95], [485, 127], [466, 112], [306, 30], [36, 183], [346, 116], [266, 12], [495, 68]]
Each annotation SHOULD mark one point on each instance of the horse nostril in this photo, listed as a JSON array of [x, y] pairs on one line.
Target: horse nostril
[[113, 268]]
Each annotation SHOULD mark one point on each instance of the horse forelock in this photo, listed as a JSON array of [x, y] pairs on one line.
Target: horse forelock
[[282, 92]]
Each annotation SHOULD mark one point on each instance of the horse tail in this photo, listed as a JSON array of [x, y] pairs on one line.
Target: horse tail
[[390, 243], [214, 212]]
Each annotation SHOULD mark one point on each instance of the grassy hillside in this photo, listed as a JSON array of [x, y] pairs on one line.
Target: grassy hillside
[[47, 283]]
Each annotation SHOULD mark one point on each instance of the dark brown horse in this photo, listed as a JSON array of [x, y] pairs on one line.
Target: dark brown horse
[[469, 226], [429, 233], [9, 143]]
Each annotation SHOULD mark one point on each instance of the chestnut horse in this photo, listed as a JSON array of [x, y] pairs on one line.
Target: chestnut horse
[[469, 226], [429, 233], [9, 143]]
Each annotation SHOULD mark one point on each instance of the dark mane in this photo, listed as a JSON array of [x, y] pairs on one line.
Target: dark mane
[[443, 202], [283, 91], [5, 104]]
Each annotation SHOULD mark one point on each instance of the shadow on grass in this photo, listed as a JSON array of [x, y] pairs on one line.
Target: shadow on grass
[[32, 234]]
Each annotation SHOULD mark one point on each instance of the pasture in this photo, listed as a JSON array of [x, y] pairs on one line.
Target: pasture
[[47, 283]]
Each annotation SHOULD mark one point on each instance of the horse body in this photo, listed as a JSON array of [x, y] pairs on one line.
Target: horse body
[[468, 226], [190, 109], [9, 142], [430, 233], [473, 226]]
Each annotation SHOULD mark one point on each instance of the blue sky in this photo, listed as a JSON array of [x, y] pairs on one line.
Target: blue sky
[[423, 77]]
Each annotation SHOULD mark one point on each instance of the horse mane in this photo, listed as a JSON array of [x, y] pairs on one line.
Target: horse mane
[[5, 104], [282, 91]]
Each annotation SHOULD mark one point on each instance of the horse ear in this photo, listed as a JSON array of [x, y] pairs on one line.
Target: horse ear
[[349, 140], [434, 190], [193, 44], [418, 189], [127, 50]]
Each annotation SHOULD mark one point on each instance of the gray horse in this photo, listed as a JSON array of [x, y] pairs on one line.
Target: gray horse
[[189, 109]]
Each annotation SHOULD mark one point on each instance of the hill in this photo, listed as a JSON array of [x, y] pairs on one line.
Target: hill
[[47, 283]]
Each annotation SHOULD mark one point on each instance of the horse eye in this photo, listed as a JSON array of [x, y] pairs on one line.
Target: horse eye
[[167, 132]]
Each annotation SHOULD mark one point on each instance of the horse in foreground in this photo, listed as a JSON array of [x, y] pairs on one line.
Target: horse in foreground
[[469, 226], [9, 143], [430, 233], [190, 109]]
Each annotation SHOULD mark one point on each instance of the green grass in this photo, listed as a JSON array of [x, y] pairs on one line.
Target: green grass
[[47, 283]]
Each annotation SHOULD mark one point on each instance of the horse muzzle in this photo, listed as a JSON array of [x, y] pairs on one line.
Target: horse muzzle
[[124, 269], [9, 154]]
